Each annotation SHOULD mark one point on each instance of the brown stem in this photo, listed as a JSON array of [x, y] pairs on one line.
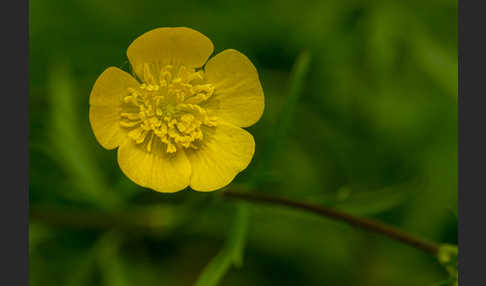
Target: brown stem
[[97, 220], [143, 219], [370, 225]]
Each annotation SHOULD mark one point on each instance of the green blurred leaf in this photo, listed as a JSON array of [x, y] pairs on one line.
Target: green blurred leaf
[[103, 255], [109, 260], [68, 140], [37, 235], [283, 122], [370, 202], [439, 63], [453, 211], [83, 271], [448, 258], [232, 252]]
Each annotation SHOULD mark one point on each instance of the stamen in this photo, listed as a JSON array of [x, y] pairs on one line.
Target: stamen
[[147, 75], [130, 116], [168, 108], [149, 144], [130, 123]]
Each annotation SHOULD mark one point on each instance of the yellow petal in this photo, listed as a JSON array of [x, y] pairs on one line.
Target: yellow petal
[[105, 100], [156, 170], [111, 87], [238, 94], [173, 46], [105, 122], [226, 150]]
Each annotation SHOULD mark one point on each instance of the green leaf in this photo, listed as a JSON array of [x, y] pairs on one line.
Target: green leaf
[[369, 202], [299, 73], [448, 258], [103, 256], [284, 120], [109, 260], [230, 254], [83, 272], [453, 212], [68, 140], [439, 63], [37, 235]]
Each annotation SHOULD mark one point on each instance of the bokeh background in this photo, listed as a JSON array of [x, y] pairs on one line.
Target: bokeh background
[[373, 133]]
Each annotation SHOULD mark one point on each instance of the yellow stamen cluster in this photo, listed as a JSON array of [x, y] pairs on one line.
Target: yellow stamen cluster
[[165, 108]]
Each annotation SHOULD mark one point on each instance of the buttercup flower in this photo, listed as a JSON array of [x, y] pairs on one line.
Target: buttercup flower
[[177, 123]]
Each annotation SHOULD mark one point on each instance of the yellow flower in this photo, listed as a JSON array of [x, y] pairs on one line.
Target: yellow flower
[[177, 124]]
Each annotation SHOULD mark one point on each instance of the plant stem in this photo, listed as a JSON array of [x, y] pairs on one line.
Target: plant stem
[[99, 220], [367, 224], [145, 219]]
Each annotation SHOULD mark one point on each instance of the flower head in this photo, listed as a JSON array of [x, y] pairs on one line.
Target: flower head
[[177, 123]]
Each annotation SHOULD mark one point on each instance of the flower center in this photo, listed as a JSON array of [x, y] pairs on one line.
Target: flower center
[[166, 109]]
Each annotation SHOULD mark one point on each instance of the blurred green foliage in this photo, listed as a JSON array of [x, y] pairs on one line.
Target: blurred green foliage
[[374, 133]]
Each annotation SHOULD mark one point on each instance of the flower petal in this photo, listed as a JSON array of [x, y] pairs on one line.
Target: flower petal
[[179, 45], [105, 106], [157, 170], [105, 122], [238, 95], [226, 150]]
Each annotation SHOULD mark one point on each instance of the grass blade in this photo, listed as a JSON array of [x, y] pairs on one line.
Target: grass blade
[[230, 254]]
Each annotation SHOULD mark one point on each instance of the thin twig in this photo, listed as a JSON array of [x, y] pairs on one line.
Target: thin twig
[[98, 220], [367, 224], [127, 220]]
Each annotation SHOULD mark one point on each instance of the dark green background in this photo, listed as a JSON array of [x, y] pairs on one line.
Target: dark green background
[[374, 133]]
